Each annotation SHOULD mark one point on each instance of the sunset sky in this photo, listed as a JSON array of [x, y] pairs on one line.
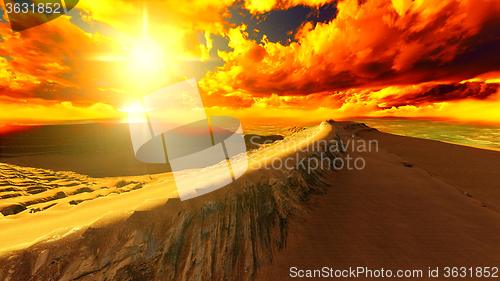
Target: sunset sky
[[295, 59]]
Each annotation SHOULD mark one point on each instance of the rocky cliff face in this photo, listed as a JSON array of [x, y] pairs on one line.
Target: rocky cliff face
[[224, 235]]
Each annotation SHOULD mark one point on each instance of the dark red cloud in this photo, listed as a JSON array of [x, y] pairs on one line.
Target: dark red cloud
[[443, 92]]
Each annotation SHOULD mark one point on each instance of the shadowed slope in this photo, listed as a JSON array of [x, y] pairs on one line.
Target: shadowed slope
[[417, 204]]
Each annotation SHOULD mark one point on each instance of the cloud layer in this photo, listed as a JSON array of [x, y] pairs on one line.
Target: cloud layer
[[374, 58], [369, 44]]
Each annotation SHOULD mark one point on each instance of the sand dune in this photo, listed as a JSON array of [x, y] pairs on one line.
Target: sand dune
[[34, 190], [417, 203], [149, 233]]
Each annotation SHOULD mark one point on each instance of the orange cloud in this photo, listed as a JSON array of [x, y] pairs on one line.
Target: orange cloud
[[57, 63], [375, 58], [51, 62], [369, 43], [474, 100]]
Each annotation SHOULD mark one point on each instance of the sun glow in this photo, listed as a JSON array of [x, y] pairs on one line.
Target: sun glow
[[136, 112], [147, 57], [134, 107]]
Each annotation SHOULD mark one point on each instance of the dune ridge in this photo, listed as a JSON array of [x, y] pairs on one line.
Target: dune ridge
[[418, 203], [151, 235]]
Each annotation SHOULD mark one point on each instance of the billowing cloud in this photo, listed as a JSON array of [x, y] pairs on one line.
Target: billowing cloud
[[369, 44], [368, 58], [60, 62], [475, 100], [51, 62]]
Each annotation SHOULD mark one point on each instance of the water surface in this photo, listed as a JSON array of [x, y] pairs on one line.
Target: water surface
[[484, 136]]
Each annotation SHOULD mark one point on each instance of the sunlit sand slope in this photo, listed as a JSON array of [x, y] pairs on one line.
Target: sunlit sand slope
[[34, 190], [147, 233]]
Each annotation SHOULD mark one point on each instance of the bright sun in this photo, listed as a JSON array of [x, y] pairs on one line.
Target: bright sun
[[151, 57], [147, 57]]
